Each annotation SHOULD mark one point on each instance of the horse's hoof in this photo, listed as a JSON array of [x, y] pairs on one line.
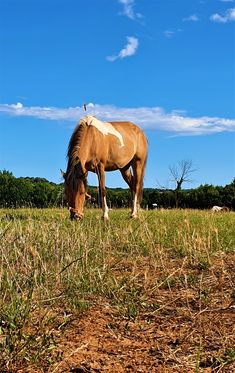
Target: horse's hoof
[[134, 217]]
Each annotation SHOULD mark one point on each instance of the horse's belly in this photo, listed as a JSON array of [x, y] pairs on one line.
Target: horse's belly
[[112, 167], [117, 164]]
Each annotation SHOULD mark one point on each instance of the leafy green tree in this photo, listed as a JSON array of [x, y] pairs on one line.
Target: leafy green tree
[[228, 195], [38, 192], [13, 192]]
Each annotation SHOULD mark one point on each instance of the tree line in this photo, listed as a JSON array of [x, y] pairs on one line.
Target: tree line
[[40, 193]]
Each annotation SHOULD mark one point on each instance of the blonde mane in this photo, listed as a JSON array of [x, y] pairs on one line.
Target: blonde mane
[[74, 168]]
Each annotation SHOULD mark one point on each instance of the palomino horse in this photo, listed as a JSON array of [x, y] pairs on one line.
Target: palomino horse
[[98, 147]]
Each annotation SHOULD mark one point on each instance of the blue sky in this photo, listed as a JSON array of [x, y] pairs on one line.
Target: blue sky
[[166, 65]]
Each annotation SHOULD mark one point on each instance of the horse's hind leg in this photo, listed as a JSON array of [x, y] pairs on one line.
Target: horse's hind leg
[[101, 176], [128, 177], [138, 170]]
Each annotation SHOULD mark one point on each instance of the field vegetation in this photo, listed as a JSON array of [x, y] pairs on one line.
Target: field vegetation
[[40, 193], [149, 295]]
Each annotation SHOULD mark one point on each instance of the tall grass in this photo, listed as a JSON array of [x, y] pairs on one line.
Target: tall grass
[[52, 267]]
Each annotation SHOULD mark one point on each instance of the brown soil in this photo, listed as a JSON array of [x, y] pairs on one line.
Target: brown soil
[[99, 342], [173, 331], [178, 328]]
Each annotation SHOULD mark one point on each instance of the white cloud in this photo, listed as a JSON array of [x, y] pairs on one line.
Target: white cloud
[[129, 49], [218, 18], [128, 9], [18, 105], [228, 16], [152, 118], [170, 33], [193, 18]]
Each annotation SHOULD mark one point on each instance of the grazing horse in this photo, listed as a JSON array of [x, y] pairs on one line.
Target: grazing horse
[[98, 147], [219, 208]]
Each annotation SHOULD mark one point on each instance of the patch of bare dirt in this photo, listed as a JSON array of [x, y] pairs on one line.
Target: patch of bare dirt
[[183, 322], [178, 328], [102, 342]]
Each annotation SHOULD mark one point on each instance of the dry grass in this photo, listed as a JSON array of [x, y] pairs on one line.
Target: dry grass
[[155, 294]]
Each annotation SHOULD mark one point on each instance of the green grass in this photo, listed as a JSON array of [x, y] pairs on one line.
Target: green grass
[[49, 263]]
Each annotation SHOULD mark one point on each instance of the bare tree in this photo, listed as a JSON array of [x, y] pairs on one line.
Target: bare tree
[[181, 173]]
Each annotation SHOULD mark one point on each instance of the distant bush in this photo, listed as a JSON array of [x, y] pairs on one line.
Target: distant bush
[[39, 192], [28, 192]]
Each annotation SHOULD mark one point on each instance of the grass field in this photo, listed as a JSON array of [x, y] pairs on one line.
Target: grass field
[[155, 294]]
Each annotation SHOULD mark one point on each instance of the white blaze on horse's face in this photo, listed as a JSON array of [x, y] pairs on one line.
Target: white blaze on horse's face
[[104, 127]]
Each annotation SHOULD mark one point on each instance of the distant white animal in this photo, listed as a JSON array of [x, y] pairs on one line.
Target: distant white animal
[[219, 208]]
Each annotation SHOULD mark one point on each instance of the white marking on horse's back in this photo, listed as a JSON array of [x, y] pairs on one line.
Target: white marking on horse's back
[[104, 127]]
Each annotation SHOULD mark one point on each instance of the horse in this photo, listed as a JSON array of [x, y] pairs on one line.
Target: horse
[[98, 146], [219, 209]]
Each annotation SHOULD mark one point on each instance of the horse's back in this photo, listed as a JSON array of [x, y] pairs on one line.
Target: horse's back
[[134, 134]]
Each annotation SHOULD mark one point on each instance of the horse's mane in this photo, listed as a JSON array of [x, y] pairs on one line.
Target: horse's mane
[[74, 169]]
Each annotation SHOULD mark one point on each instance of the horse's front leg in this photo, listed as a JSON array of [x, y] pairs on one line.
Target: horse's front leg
[[101, 176], [135, 207]]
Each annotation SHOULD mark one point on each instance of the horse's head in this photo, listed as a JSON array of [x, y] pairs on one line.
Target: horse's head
[[75, 192]]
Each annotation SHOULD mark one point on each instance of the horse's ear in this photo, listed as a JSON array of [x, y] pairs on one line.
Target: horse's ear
[[62, 173]]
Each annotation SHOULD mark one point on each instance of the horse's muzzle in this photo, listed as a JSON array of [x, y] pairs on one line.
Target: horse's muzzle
[[75, 216]]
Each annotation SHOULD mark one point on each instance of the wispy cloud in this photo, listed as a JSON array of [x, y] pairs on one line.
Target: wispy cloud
[[168, 33], [171, 33], [192, 18], [128, 9], [227, 16], [152, 118], [227, 1], [129, 49]]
